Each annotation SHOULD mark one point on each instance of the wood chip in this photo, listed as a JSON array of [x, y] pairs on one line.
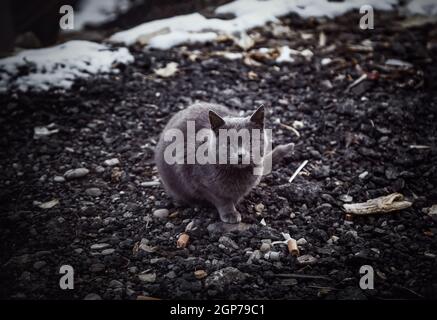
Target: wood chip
[[392, 202]]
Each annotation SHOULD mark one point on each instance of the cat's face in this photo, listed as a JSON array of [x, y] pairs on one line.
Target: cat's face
[[239, 140]]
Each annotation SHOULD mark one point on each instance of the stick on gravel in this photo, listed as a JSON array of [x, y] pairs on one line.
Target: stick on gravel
[[298, 170], [392, 202]]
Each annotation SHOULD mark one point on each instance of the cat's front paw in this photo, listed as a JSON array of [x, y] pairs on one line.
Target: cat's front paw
[[230, 217]]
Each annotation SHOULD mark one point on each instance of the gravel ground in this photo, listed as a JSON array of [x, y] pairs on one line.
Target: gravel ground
[[104, 223]]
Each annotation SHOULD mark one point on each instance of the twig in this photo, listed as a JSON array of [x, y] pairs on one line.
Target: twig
[[291, 129], [298, 170], [356, 82]]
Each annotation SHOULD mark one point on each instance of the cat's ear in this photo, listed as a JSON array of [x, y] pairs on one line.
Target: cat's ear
[[215, 120], [258, 117]]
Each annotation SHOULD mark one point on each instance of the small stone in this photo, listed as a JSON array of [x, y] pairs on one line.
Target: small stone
[[169, 225], [432, 211], [301, 241], [49, 204], [171, 275], [108, 251], [272, 255], [92, 296], [94, 192], [346, 198], [429, 255], [306, 259], [78, 250], [363, 175], [333, 239], [99, 246], [99, 169], [112, 162], [222, 278], [259, 208], [115, 284], [59, 179], [97, 267], [39, 264], [265, 247], [147, 277], [161, 213], [76, 173], [228, 242], [200, 274], [256, 255]]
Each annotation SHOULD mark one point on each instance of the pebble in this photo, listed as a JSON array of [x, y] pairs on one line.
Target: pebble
[[171, 275], [228, 242], [99, 169], [301, 241], [306, 259], [92, 296], [333, 239], [221, 278], [94, 192], [272, 255], [115, 284], [97, 267], [161, 213], [264, 247], [127, 215], [363, 175], [147, 277], [99, 246], [112, 162], [108, 251], [76, 173], [59, 179], [39, 264], [346, 198], [200, 274]]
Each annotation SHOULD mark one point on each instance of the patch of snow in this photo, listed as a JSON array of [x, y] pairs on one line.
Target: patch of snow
[[95, 12], [248, 14], [305, 8], [59, 66], [172, 39], [423, 7]]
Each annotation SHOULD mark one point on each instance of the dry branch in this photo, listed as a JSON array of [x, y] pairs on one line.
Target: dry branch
[[392, 202]]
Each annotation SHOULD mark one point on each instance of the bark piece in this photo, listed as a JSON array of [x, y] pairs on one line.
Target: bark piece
[[392, 202]]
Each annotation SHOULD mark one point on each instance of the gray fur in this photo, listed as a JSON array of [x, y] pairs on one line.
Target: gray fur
[[222, 185]]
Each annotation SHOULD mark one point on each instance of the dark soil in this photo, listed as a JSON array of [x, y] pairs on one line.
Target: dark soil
[[345, 133]]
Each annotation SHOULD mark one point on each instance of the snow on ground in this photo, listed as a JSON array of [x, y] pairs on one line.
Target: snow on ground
[[169, 32], [95, 12], [424, 7], [59, 66]]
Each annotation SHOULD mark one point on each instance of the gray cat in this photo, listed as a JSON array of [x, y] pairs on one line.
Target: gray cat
[[220, 184]]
